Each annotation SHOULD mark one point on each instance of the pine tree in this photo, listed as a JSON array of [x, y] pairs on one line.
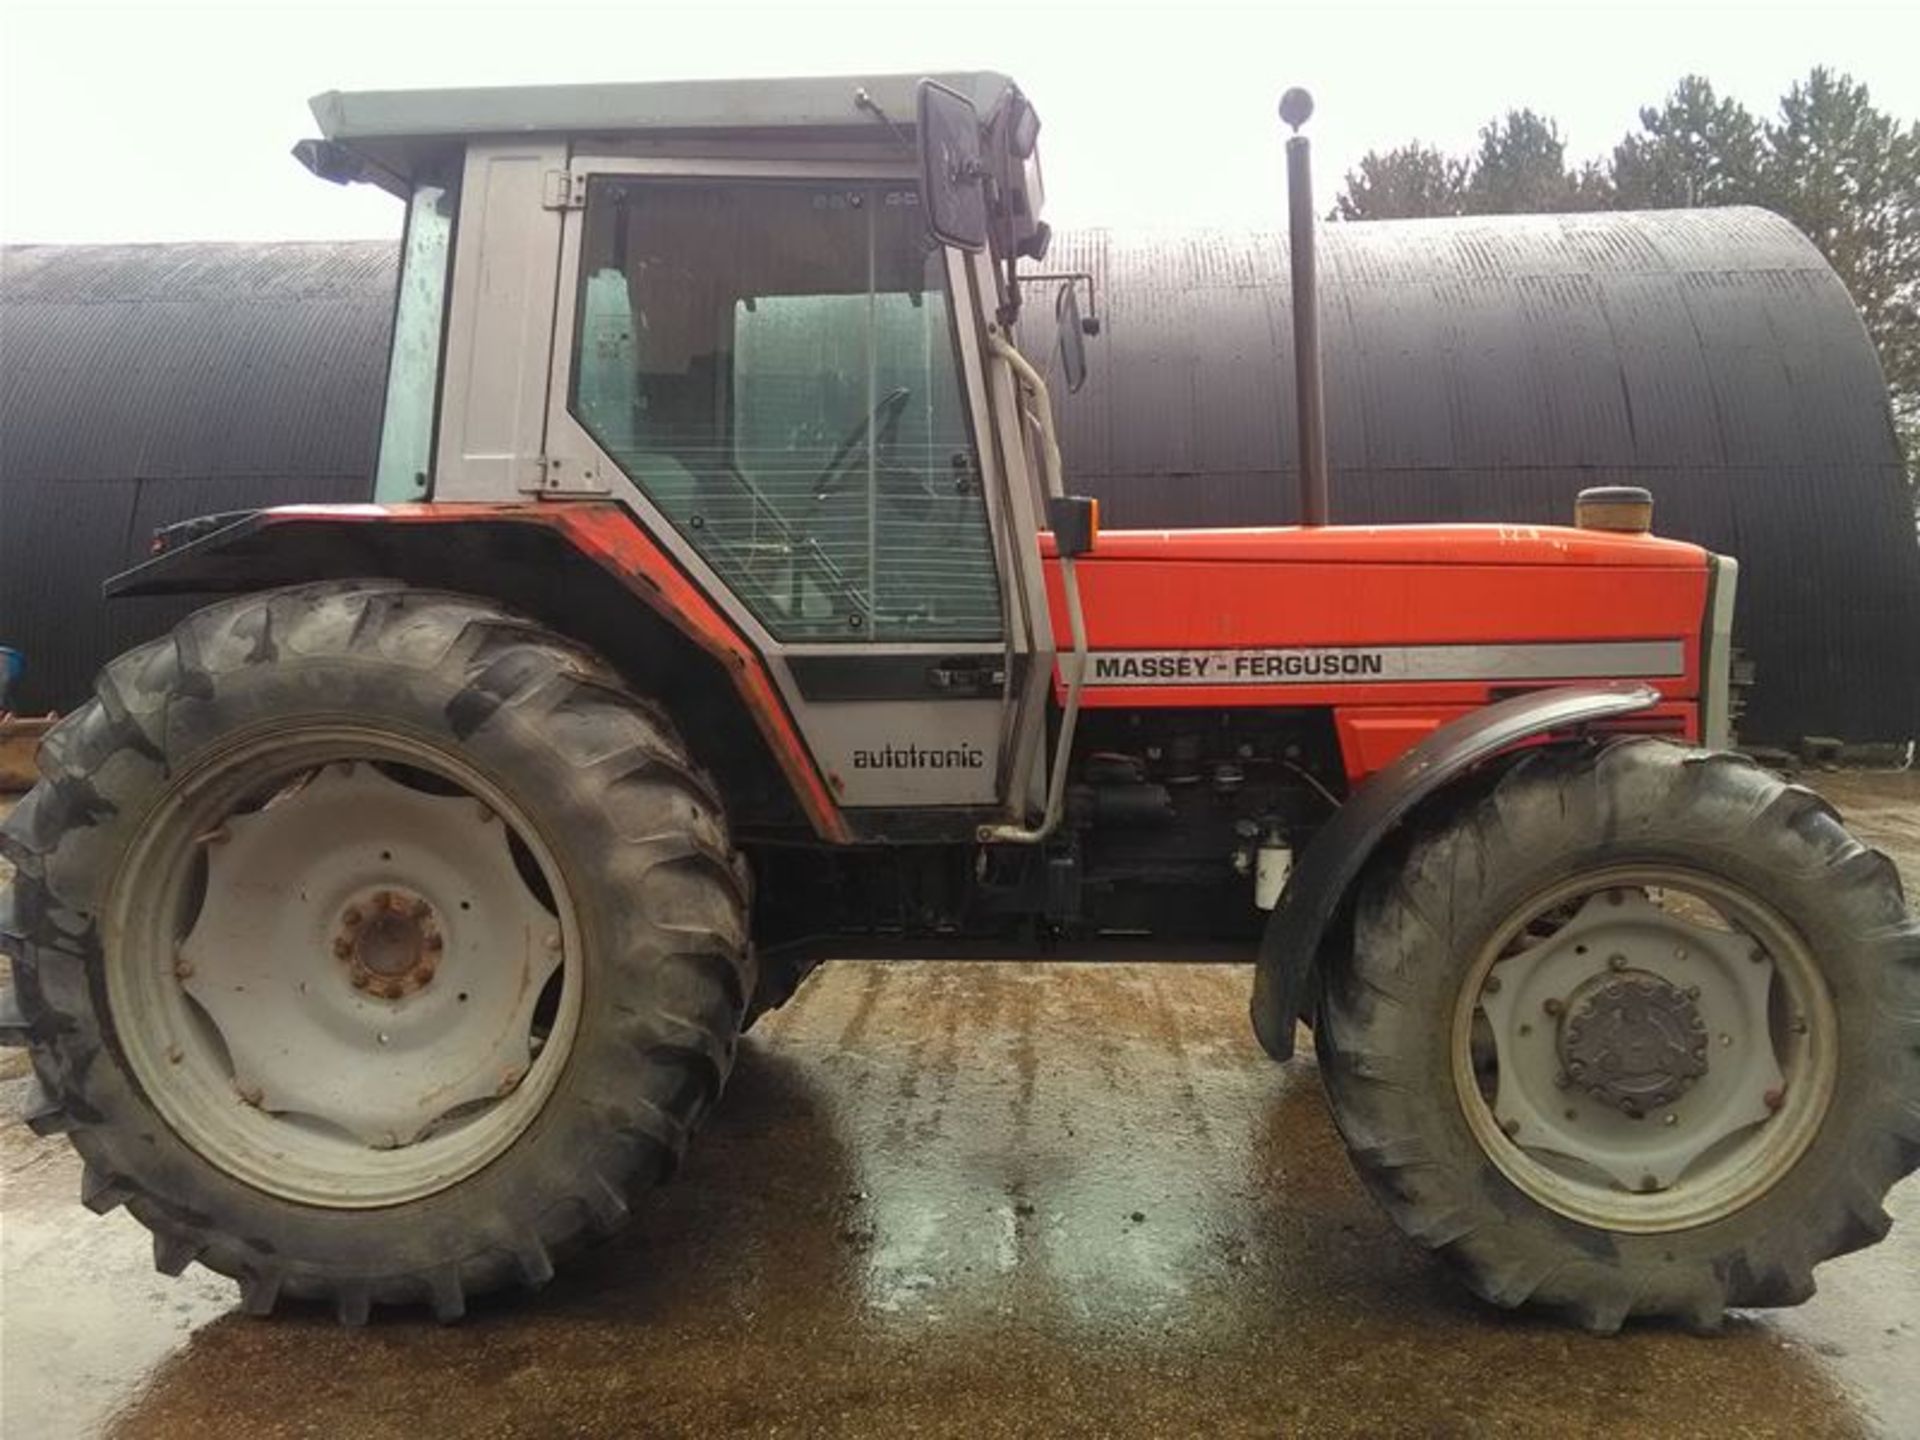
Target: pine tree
[[1521, 168], [1848, 175], [1695, 149], [1410, 182]]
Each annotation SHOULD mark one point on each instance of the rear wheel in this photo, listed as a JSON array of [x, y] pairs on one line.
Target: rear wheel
[[1635, 1031], [374, 946]]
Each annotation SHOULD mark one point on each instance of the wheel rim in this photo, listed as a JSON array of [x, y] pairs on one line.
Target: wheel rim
[[1645, 1048], [343, 966]]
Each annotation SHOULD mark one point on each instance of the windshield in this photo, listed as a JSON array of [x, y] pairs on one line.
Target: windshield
[[772, 363]]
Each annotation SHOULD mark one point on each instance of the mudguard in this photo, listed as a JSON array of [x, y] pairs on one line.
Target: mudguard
[[526, 554], [1325, 874]]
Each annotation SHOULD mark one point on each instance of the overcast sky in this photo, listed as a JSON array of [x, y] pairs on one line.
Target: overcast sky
[[155, 121]]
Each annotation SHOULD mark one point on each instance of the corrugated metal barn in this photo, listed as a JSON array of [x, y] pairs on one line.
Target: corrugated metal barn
[[143, 384], [1476, 369]]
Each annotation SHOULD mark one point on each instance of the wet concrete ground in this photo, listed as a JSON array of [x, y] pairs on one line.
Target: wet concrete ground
[[957, 1199]]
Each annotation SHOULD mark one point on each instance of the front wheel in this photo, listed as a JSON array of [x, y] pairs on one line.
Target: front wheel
[[1634, 1030], [373, 945]]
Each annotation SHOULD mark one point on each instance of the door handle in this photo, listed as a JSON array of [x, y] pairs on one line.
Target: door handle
[[967, 677]]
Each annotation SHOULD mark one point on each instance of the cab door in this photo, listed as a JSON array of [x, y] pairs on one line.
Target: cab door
[[766, 362]]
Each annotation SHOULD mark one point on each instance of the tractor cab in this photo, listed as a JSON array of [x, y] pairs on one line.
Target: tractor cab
[[771, 319]]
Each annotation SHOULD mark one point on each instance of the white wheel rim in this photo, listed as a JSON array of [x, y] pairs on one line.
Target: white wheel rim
[[1703, 1046], [337, 996]]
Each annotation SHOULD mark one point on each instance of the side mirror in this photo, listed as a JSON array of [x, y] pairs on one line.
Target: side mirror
[[1073, 333], [952, 172]]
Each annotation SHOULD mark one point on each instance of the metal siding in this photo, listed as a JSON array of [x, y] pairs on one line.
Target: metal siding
[[1477, 369], [143, 384]]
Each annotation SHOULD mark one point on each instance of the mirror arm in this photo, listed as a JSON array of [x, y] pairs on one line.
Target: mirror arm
[[1090, 323]]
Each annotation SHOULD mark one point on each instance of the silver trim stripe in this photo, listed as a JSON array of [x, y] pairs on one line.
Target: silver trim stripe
[[1390, 664]]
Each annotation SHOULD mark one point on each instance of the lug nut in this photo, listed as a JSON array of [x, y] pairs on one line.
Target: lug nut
[[421, 909], [1775, 1098], [352, 918], [1616, 962], [342, 947], [182, 969], [361, 981], [553, 940], [1554, 1006], [1511, 1127], [432, 941], [251, 1095]]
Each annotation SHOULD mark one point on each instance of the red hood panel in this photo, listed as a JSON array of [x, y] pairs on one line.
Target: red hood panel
[[1451, 614]]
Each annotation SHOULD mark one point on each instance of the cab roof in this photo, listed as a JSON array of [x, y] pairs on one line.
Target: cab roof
[[399, 131]]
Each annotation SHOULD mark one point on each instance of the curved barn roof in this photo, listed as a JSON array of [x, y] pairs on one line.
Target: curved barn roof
[[1476, 369]]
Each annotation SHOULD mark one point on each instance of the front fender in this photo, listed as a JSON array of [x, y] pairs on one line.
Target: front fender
[[1333, 860]]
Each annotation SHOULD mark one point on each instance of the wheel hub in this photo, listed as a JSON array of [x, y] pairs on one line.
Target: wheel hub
[[1633, 1040], [370, 955], [391, 943], [1626, 1047]]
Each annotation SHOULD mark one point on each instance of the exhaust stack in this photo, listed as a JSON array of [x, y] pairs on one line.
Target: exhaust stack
[[1296, 107]]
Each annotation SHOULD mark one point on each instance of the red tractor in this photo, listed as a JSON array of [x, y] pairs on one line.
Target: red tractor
[[381, 932]]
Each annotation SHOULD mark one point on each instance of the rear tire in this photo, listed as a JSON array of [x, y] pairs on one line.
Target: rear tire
[[613, 830], [1742, 1221]]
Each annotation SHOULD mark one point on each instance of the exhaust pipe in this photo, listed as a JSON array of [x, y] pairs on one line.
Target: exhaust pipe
[[1296, 107]]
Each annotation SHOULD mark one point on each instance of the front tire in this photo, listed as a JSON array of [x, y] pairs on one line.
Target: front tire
[[375, 946], [1630, 1030]]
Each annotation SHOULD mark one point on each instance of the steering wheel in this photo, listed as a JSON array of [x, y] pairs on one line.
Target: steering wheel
[[881, 422]]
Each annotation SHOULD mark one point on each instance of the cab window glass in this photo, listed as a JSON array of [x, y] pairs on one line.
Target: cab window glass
[[772, 363]]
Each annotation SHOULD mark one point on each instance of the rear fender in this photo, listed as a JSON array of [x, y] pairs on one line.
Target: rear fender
[[1322, 882], [583, 568]]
